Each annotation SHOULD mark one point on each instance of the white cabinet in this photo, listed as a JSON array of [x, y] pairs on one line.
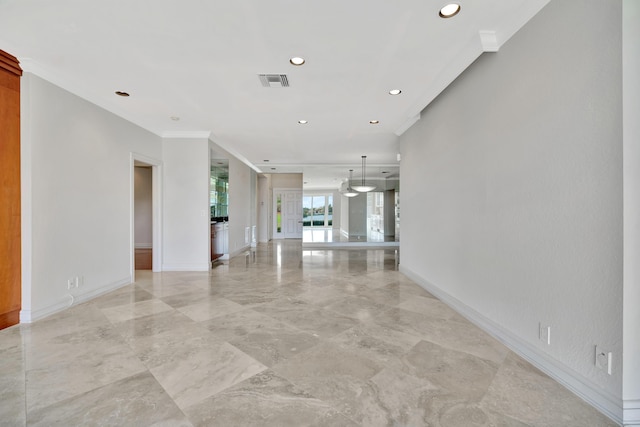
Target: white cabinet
[[221, 240]]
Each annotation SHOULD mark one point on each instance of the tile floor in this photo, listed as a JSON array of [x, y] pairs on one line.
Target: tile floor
[[296, 338]]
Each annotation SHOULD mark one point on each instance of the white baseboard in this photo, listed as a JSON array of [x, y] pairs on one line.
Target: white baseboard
[[30, 316], [631, 412], [185, 267], [603, 401]]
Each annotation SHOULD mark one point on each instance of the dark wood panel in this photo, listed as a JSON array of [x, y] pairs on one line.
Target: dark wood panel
[[10, 261], [144, 258]]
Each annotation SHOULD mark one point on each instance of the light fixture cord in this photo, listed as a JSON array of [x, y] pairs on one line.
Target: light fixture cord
[[364, 168]]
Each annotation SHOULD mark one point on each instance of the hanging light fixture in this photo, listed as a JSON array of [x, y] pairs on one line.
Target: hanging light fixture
[[363, 188], [350, 192]]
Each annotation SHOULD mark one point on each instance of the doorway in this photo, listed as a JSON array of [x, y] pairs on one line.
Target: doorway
[[143, 216], [145, 233]]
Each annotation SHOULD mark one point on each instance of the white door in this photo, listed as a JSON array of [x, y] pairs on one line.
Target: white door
[[292, 214]]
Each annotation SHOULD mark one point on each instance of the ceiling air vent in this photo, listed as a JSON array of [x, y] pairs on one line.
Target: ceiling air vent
[[274, 80]]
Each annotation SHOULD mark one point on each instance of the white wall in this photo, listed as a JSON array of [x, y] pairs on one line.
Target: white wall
[[344, 215], [186, 213], [631, 135], [76, 196], [286, 180], [358, 216], [143, 207], [512, 190], [240, 202]]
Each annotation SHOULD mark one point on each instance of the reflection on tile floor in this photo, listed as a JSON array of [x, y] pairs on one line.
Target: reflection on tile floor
[[296, 338]]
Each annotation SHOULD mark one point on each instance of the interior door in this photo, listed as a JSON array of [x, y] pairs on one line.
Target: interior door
[[293, 214]]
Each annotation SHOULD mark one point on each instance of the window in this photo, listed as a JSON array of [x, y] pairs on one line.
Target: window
[[317, 210]]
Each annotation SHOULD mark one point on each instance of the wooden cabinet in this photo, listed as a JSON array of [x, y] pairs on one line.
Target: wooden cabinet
[[10, 264]]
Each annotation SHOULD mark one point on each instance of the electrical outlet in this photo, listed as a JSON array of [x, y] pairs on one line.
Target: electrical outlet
[[603, 359], [544, 333]]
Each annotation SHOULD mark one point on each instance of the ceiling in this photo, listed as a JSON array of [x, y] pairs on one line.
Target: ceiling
[[199, 61]]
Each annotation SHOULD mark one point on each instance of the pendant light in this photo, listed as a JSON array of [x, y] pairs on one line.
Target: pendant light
[[363, 188], [350, 192]]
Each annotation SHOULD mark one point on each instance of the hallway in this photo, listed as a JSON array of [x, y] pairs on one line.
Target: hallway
[[294, 337]]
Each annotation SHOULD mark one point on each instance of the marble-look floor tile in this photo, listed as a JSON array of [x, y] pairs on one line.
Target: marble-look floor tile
[[451, 411], [123, 296], [189, 298], [235, 325], [78, 345], [173, 345], [74, 319], [152, 325], [297, 337], [453, 372], [205, 373], [52, 383], [336, 375], [386, 347], [12, 382], [265, 400], [210, 308], [528, 395], [122, 313], [274, 342], [429, 306], [140, 401], [261, 295], [322, 323], [456, 334], [164, 289], [358, 308]]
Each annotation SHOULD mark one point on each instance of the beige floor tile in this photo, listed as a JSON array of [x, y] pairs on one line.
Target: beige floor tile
[[295, 338], [205, 372]]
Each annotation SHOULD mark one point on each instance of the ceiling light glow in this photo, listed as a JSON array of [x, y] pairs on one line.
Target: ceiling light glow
[[303, 122], [395, 92], [297, 61], [449, 10]]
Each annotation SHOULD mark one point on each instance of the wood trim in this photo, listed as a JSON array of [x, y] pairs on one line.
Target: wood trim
[[9, 319], [10, 228], [10, 63]]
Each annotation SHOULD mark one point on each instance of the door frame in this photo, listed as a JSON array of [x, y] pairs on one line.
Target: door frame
[[156, 215]]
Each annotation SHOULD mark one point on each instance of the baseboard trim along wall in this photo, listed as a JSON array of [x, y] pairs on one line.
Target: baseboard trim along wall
[[631, 412], [73, 297], [585, 389]]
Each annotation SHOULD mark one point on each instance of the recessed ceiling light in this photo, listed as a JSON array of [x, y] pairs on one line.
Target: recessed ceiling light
[[297, 61], [175, 118], [303, 122], [384, 172], [395, 92], [266, 161], [273, 169], [120, 93], [374, 122], [449, 10]]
